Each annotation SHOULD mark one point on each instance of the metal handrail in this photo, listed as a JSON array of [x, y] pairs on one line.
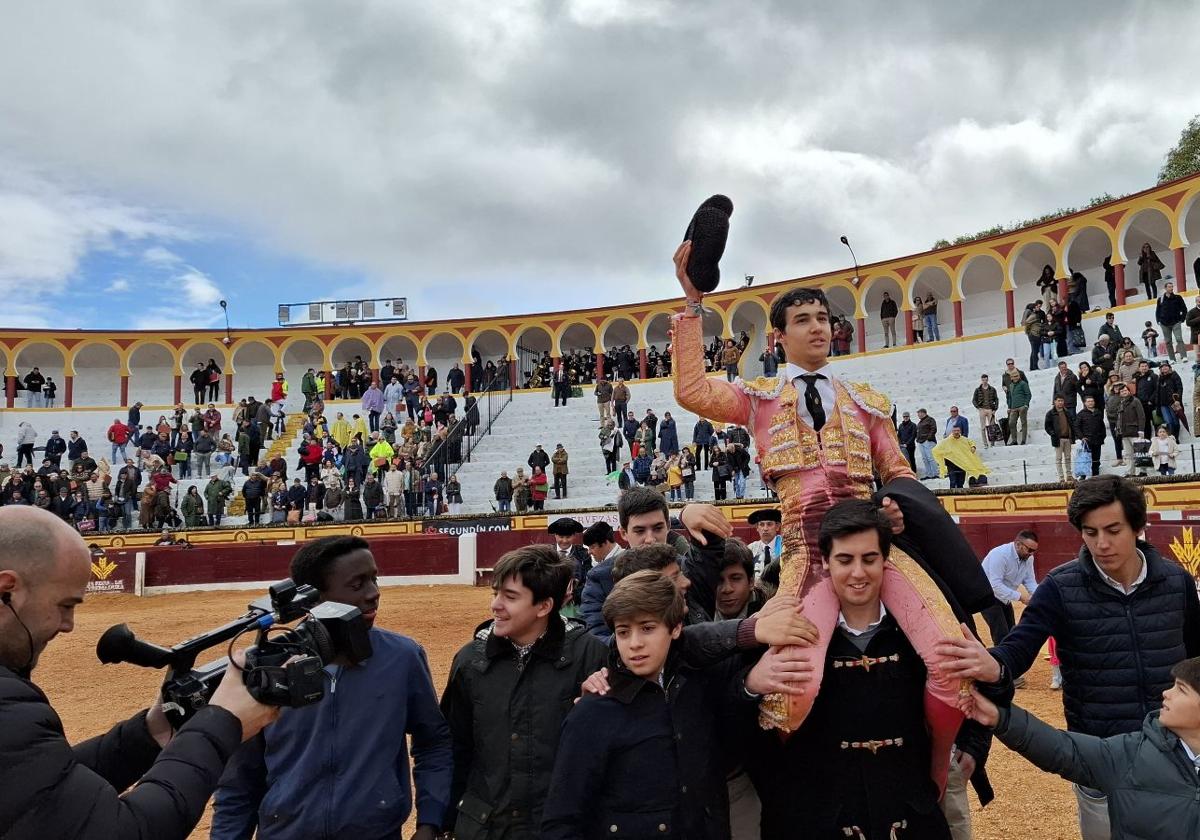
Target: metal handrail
[[440, 460]]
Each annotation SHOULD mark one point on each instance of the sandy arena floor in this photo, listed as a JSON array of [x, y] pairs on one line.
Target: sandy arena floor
[[90, 697]]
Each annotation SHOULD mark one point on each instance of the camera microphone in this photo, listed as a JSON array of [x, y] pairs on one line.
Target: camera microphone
[[118, 644], [27, 669]]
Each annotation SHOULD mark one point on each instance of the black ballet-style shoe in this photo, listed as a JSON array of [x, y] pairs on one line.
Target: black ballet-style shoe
[[708, 231]]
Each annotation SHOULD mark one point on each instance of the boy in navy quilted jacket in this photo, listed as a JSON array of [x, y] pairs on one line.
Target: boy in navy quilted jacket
[[638, 760]]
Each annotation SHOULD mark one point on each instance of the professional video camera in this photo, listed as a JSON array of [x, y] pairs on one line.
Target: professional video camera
[[285, 667]]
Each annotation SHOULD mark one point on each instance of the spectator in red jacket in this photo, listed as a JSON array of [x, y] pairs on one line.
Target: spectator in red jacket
[[537, 486], [118, 436], [162, 478], [310, 458]]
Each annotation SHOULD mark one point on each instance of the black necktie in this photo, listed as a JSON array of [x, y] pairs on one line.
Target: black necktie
[[766, 556], [812, 400]]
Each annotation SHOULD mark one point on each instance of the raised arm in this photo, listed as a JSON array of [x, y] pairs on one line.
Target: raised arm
[[711, 398], [715, 399]]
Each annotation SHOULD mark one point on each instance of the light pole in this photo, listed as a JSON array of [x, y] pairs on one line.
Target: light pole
[[846, 242], [225, 308]]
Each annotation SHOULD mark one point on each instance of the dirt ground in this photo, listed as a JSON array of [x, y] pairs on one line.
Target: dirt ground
[[90, 697]]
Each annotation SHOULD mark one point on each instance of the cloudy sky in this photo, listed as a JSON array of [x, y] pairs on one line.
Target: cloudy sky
[[488, 157]]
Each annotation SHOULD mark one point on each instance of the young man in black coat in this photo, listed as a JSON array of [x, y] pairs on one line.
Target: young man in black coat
[[508, 692], [859, 766], [53, 790]]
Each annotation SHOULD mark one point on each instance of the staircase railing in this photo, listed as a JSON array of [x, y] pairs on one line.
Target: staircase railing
[[456, 448]]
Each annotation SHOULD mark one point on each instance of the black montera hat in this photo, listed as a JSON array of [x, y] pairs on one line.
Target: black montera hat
[[708, 232], [765, 515], [566, 527]]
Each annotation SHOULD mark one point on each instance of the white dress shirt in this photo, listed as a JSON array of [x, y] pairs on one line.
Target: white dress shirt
[[824, 389], [758, 549], [1006, 571], [844, 626], [1120, 587]]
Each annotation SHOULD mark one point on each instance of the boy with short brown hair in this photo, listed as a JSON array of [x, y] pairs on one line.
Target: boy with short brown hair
[[1149, 777], [639, 760]]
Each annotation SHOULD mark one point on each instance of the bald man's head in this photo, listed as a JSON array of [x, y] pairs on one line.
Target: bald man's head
[[44, 569]]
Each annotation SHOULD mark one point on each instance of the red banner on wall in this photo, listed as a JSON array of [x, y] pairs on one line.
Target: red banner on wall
[[111, 572]]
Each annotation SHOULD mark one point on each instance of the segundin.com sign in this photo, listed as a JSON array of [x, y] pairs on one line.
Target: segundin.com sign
[[458, 527]]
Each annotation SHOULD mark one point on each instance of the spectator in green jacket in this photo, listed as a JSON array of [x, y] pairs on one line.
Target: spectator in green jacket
[[216, 494], [192, 508], [1018, 395]]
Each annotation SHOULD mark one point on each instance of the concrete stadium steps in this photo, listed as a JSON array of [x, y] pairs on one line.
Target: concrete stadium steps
[[532, 419]]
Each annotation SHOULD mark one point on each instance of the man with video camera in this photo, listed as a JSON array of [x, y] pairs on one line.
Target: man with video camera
[[49, 789], [340, 767]]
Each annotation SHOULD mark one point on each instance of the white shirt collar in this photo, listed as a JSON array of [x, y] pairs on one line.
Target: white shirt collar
[[843, 625], [793, 370], [614, 551], [824, 389], [1138, 581]]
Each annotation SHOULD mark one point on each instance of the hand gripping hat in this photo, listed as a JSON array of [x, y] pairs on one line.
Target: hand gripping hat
[[708, 231]]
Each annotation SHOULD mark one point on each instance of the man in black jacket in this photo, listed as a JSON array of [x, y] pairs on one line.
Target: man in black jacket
[[33, 386], [564, 531], [51, 790], [1171, 312], [1145, 384], [1170, 388], [199, 380], [907, 433], [1060, 428], [1089, 427], [986, 401], [739, 462], [538, 458], [76, 446], [887, 317], [1122, 616], [859, 766], [1066, 385], [55, 447], [926, 439]]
